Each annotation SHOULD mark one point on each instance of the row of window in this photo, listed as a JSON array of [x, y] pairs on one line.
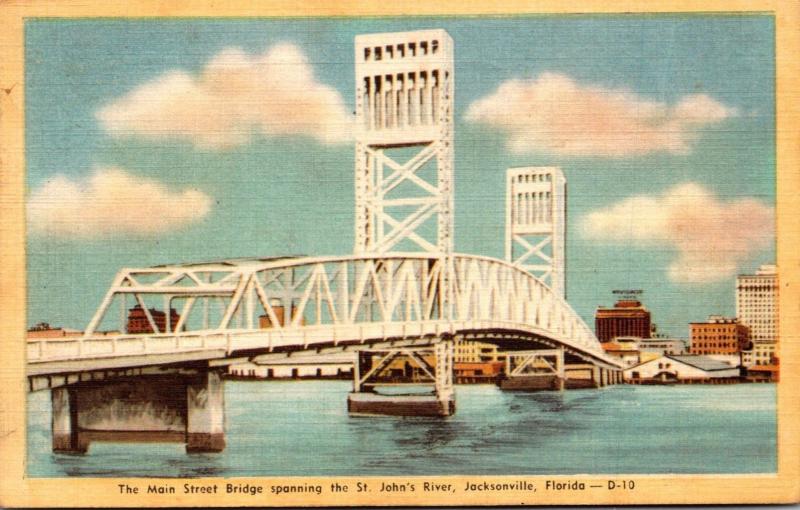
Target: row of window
[[404, 99], [392, 51], [533, 178]]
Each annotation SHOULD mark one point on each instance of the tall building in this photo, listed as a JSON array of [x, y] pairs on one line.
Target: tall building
[[404, 142], [757, 308], [718, 335], [628, 317], [536, 214]]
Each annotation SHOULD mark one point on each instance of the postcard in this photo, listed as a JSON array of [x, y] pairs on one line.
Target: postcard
[[373, 255]]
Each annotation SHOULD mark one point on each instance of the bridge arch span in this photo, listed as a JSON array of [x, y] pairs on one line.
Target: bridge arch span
[[282, 305]]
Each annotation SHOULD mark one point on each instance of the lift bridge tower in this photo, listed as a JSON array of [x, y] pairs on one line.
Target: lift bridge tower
[[536, 213], [404, 142]]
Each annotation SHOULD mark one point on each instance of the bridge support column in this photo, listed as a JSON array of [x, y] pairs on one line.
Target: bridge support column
[[534, 370], [205, 414], [597, 377], [379, 376], [65, 422], [172, 407]]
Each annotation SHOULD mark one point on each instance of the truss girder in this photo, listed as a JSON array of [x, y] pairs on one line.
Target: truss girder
[[405, 290]]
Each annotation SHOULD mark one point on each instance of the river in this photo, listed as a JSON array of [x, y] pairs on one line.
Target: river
[[301, 428]]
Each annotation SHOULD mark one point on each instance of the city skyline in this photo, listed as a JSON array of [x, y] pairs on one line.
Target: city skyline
[[643, 211]]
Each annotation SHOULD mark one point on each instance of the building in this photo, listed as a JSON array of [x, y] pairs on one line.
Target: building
[[138, 321], [627, 318], [764, 373], [681, 369], [470, 351], [718, 335], [662, 346], [757, 308], [486, 372], [300, 367], [44, 330], [624, 348], [477, 362]]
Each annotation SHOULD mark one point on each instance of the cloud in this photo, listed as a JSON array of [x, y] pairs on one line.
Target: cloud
[[557, 115], [711, 237], [112, 202], [235, 95]]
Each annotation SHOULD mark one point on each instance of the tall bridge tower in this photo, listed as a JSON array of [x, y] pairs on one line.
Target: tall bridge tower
[[404, 142], [536, 212]]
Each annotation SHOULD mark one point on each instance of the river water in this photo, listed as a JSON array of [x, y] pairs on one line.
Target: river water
[[302, 428]]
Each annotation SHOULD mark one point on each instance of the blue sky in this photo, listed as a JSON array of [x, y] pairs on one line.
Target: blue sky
[[709, 80]]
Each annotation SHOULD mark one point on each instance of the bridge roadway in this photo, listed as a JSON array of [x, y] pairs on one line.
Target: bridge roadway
[[254, 309]]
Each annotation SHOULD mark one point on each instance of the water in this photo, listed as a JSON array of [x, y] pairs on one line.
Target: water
[[302, 428]]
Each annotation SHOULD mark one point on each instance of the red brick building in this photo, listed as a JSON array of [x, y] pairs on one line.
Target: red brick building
[[627, 318], [138, 323], [718, 335]]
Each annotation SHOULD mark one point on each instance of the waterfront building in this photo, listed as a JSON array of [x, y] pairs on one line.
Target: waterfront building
[[764, 373], [662, 346], [685, 368], [625, 348], [476, 362], [482, 372], [757, 308], [628, 317], [718, 335], [44, 330], [470, 351], [138, 322], [331, 366]]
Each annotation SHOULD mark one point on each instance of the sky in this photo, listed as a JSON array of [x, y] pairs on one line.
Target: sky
[[174, 140]]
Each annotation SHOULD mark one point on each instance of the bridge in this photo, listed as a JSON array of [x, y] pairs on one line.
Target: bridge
[[149, 364]]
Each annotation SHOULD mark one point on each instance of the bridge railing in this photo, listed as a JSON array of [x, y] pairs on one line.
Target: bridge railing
[[305, 301]]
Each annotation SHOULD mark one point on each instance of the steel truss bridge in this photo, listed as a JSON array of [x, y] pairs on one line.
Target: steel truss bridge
[[237, 309]]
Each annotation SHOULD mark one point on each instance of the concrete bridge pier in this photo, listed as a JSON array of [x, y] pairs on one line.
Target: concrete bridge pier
[[379, 379], [534, 370], [580, 376], [178, 407]]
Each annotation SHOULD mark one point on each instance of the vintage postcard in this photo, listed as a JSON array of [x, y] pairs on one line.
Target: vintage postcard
[[374, 255]]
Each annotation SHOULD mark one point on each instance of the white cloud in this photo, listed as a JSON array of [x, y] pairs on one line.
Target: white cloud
[[557, 115], [112, 202], [711, 237], [236, 94]]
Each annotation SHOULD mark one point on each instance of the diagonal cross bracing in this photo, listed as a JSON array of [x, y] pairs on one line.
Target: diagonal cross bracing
[[404, 102]]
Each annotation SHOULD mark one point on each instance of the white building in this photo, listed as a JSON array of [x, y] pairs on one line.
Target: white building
[[296, 367], [662, 346], [757, 308], [681, 368], [761, 354]]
